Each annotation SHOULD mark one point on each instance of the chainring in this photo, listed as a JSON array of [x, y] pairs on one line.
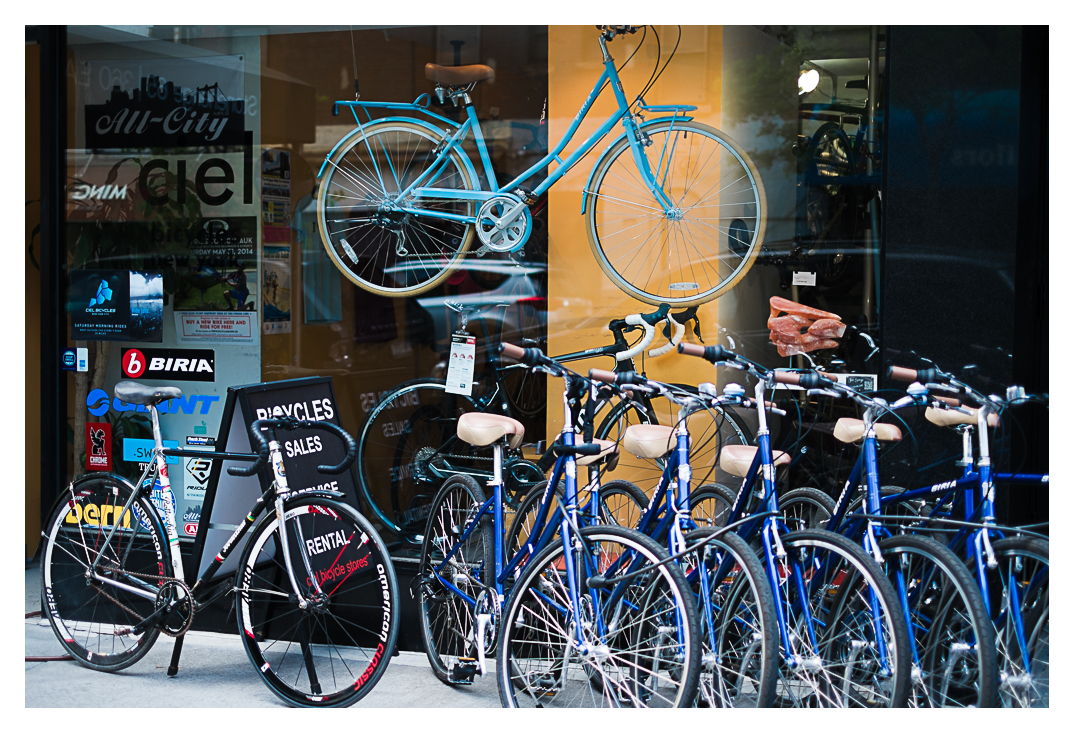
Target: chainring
[[177, 621], [501, 235]]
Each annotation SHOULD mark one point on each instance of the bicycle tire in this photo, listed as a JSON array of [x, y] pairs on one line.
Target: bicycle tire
[[93, 620], [448, 623], [346, 636], [707, 437], [391, 252], [953, 636], [1025, 561], [691, 170], [744, 643], [635, 663], [806, 508], [711, 504], [393, 457], [842, 582]]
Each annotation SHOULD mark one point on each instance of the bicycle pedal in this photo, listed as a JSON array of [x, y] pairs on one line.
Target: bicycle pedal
[[463, 672], [543, 685]]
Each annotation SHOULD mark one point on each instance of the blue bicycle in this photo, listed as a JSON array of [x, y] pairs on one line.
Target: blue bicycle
[[1009, 564], [675, 209], [842, 639], [953, 642], [593, 618]]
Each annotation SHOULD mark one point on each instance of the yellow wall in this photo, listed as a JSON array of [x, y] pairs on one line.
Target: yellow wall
[[581, 299]]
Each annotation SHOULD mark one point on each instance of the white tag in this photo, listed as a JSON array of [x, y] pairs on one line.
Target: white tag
[[82, 356], [460, 371], [804, 278]]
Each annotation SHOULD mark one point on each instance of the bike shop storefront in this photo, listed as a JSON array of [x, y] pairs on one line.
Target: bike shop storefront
[[175, 173]]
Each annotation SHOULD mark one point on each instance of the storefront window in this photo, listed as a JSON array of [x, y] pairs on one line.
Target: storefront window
[[208, 165]]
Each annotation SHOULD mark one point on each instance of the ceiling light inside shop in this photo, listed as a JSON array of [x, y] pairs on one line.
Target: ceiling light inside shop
[[808, 81]]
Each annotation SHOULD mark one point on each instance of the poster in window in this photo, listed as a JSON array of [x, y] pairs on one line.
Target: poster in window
[[221, 269], [116, 305], [276, 287]]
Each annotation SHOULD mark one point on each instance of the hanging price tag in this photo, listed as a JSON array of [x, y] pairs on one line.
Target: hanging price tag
[[460, 372]]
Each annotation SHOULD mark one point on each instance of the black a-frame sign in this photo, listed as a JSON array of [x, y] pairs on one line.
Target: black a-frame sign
[[228, 498]]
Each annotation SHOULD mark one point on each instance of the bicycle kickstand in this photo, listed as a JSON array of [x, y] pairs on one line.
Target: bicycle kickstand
[[173, 666]]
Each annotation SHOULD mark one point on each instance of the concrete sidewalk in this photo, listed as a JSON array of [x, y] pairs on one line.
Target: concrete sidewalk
[[214, 673]]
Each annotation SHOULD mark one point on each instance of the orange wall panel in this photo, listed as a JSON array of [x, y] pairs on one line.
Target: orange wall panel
[[581, 299]]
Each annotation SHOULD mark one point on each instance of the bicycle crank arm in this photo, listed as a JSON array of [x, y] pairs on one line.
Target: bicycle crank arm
[[483, 620]]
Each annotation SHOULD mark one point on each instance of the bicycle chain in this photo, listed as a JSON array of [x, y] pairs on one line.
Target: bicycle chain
[[100, 589]]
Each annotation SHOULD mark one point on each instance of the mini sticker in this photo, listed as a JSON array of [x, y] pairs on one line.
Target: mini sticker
[[98, 446], [82, 359], [67, 360]]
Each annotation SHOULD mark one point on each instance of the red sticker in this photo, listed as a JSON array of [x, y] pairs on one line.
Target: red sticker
[[191, 528], [98, 446], [134, 363]]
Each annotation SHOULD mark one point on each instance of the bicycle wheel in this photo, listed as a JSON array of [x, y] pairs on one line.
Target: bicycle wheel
[[367, 230], [93, 620], [402, 437], [709, 432], [955, 649], [642, 641], [334, 651], [806, 508], [450, 594], [740, 646], [846, 651], [621, 503], [1022, 572], [687, 256], [711, 504]]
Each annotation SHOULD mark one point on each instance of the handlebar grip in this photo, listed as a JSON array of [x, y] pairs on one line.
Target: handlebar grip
[[513, 352], [680, 331], [639, 319], [710, 354], [348, 442], [786, 377], [946, 400], [630, 378], [902, 374], [587, 449], [602, 375], [692, 350], [262, 453], [805, 380]]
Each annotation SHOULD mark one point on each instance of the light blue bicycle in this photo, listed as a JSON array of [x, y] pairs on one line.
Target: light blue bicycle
[[675, 210]]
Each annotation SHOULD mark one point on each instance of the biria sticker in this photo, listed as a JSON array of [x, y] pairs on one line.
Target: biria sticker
[[188, 365]]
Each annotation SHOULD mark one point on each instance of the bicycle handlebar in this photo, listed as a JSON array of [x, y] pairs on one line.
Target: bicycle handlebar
[[680, 331], [292, 424], [637, 319], [902, 374]]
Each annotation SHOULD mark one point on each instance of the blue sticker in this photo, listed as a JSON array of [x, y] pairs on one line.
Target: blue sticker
[[67, 360], [140, 450]]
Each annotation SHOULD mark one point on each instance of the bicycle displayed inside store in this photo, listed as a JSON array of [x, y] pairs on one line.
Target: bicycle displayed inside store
[[400, 201], [316, 598]]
